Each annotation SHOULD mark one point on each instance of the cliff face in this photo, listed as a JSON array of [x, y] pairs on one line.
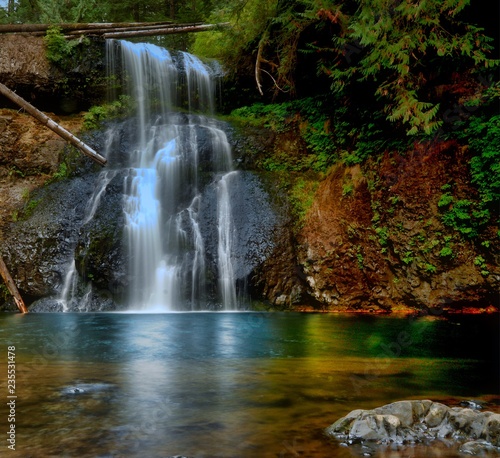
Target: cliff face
[[70, 85], [29, 156], [372, 240], [23, 63], [374, 237]]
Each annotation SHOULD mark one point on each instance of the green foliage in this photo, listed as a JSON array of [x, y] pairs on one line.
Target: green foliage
[[360, 259], [383, 235], [30, 207], [327, 130], [71, 11], [445, 200], [471, 215], [392, 47], [60, 11], [249, 20], [96, 115], [62, 172], [430, 268], [462, 218], [306, 116], [4, 293], [446, 252], [484, 141], [13, 170], [408, 257], [302, 197], [371, 142], [481, 263], [60, 51], [347, 189], [373, 52]]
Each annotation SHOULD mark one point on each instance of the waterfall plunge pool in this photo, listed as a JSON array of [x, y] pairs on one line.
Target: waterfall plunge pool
[[243, 384]]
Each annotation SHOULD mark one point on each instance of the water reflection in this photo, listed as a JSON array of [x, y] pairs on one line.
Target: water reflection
[[227, 384]]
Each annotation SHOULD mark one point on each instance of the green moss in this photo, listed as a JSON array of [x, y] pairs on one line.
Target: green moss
[[120, 108], [446, 252], [30, 207], [302, 197]]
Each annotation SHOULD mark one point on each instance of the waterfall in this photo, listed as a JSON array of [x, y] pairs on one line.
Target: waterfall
[[174, 158], [225, 239]]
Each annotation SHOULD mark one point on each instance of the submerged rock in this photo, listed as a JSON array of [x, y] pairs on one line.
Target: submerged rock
[[411, 422]]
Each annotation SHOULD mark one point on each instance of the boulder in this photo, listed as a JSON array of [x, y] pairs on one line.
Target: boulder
[[420, 421]]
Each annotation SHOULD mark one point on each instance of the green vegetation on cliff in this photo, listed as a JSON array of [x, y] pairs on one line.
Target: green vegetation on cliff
[[356, 79]]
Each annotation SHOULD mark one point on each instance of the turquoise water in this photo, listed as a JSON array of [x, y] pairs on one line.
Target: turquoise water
[[228, 384]]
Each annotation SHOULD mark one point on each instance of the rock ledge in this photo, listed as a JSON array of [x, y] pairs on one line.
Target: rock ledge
[[412, 422]]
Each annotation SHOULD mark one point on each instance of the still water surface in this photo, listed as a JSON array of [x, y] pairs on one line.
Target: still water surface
[[227, 384]]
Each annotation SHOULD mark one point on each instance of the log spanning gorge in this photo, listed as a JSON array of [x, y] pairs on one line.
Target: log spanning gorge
[[188, 218]]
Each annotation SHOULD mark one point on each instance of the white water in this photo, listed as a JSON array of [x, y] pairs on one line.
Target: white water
[[226, 275], [162, 190]]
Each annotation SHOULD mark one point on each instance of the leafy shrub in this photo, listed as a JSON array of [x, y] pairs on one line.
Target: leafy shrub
[[94, 118], [446, 252], [485, 166], [61, 51], [430, 268], [309, 116]]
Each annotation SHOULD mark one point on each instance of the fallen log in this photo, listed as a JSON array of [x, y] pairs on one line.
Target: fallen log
[[28, 28], [165, 30], [11, 286], [100, 31], [52, 125]]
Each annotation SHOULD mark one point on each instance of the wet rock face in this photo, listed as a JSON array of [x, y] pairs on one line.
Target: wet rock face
[[100, 255], [277, 278], [69, 223], [40, 246], [253, 221], [37, 249], [342, 265], [412, 422]]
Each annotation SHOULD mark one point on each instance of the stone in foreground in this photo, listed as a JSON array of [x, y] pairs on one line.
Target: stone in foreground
[[412, 422]]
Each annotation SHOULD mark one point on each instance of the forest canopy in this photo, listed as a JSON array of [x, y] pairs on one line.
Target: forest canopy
[[402, 56], [413, 61]]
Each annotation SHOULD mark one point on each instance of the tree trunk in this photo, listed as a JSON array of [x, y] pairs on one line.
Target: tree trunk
[[172, 9], [164, 31], [28, 28], [11, 286], [52, 125], [119, 29], [10, 8]]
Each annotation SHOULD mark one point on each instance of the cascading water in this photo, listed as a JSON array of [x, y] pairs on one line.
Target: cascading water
[[163, 187]]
